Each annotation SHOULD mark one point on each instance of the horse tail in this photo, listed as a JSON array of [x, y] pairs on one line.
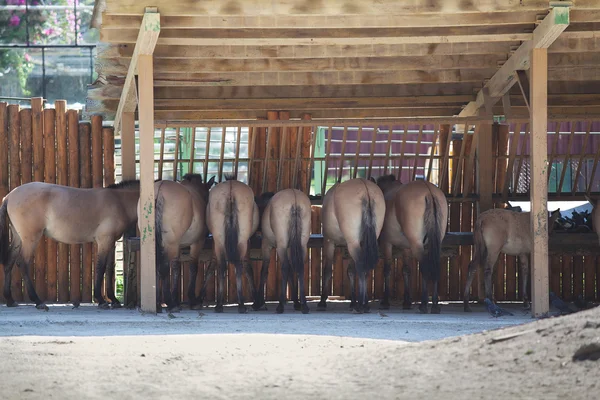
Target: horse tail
[[295, 237], [158, 217], [4, 244], [430, 262], [369, 247], [480, 248], [232, 229]]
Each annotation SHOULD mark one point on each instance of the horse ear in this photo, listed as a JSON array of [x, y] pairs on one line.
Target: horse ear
[[211, 181], [372, 179]]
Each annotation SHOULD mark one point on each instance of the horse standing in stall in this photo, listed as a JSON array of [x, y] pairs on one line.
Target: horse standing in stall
[[68, 215], [232, 218], [501, 231], [180, 221], [352, 215], [595, 215], [416, 216], [285, 225]]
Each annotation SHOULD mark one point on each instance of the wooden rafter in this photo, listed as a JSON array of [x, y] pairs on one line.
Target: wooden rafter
[[146, 41], [543, 36]]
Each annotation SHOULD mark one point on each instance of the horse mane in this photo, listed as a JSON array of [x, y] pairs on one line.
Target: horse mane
[[126, 184], [230, 177], [191, 177]]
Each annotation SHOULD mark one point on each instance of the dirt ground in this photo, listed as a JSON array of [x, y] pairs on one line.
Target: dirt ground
[[87, 353]]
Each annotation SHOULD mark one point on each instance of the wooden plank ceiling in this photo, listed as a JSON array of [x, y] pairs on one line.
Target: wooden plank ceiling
[[341, 58]]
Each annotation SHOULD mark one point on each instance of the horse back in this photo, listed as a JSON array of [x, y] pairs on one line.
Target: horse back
[[506, 231]]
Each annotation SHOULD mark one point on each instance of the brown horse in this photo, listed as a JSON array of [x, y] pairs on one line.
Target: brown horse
[[67, 215], [285, 225], [232, 218], [416, 217], [501, 231], [179, 222], [595, 215], [352, 215]]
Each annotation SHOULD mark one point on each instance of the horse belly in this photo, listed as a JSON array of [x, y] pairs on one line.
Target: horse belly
[[515, 247], [65, 231]]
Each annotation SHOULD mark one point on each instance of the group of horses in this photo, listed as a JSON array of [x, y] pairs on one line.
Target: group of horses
[[366, 215]]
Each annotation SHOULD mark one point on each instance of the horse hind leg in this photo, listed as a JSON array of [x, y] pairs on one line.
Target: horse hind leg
[[12, 258], [524, 261], [406, 272], [222, 266], [469, 282], [329, 248], [285, 273], [110, 274], [24, 261], [104, 252], [352, 280], [259, 298], [176, 285], [387, 268]]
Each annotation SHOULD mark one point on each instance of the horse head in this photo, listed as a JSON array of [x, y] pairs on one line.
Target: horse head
[[195, 181], [554, 215], [262, 201], [386, 182]]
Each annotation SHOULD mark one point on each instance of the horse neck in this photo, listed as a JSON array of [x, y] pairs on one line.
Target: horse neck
[[129, 199]]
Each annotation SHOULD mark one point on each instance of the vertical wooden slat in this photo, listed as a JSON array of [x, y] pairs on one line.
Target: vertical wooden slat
[[85, 171], [485, 166], [539, 181], [297, 167], [470, 163], [594, 169], [567, 159], [589, 266], [74, 181], [162, 155], [372, 152], [237, 152], [554, 148], [252, 134], [582, 154], [193, 155], [444, 153], [457, 168], [50, 177], [207, 154], [222, 154], [555, 279], [62, 174], [567, 271], [273, 150], [402, 152], [454, 216], [417, 152], [308, 146], [108, 146], [176, 153], [37, 125], [26, 168], [511, 162], [356, 159], [4, 144], [97, 178], [14, 126], [434, 145], [388, 150], [522, 156], [326, 166], [343, 152], [283, 177], [578, 267], [466, 215], [315, 254]]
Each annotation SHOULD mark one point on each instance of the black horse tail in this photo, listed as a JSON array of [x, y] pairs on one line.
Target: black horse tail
[[368, 227], [158, 217], [295, 238], [232, 230], [480, 248], [4, 244], [431, 260]]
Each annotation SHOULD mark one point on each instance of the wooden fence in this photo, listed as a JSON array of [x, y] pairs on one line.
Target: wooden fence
[[52, 145]]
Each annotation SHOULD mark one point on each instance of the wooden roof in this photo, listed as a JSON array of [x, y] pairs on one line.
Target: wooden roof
[[342, 58]]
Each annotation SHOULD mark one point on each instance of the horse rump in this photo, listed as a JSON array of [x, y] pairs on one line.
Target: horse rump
[[368, 232], [295, 238], [4, 243], [430, 262]]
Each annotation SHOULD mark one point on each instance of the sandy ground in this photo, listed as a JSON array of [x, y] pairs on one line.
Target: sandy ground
[[87, 353]]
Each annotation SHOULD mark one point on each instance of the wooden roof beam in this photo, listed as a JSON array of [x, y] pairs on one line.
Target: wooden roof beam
[[145, 44], [543, 36]]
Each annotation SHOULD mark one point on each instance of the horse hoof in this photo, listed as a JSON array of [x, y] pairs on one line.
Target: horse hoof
[[242, 309], [356, 311], [297, 306], [366, 309], [259, 306], [384, 305], [322, 306], [12, 304], [423, 309], [305, 309], [159, 309], [435, 309], [219, 309], [42, 307], [115, 304], [352, 305], [103, 306], [196, 306], [279, 309], [467, 308], [407, 305]]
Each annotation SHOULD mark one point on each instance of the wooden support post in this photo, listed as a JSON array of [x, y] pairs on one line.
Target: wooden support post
[[62, 175], [85, 173], [3, 169], [130, 295], [539, 181], [147, 202], [485, 168], [37, 125], [74, 181], [50, 177]]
